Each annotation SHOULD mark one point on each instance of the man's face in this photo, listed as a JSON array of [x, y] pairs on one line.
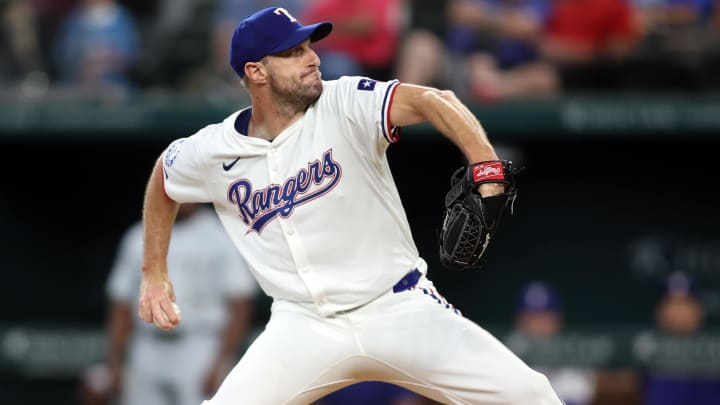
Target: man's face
[[294, 76], [680, 314], [539, 324]]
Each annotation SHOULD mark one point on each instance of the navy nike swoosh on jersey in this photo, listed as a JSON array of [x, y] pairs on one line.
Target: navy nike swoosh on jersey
[[227, 167]]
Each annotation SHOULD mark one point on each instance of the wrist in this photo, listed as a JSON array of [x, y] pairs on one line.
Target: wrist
[[490, 189], [153, 270]]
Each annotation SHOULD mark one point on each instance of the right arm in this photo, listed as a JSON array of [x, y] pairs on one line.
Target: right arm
[[156, 291], [414, 104]]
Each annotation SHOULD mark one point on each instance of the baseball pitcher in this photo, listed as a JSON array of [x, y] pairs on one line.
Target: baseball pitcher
[[301, 181]]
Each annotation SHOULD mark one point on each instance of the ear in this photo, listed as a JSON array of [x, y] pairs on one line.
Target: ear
[[255, 72]]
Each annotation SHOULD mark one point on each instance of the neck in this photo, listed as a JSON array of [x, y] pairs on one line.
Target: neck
[[269, 119]]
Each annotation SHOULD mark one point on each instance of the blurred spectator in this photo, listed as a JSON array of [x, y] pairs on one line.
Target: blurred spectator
[[20, 51], [656, 15], [181, 367], [364, 39], [176, 37], [538, 317], [490, 51], [215, 78], [588, 40], [674, 43], [421, 56], [373, 392], [95, 48], [505, 62], [680, 315], [710, 78], [48, 16], [427, 15]]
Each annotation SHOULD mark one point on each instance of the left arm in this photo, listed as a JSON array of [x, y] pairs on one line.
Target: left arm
[[414, 104]]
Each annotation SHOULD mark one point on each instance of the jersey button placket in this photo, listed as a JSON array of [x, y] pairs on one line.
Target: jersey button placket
[[273, 165]]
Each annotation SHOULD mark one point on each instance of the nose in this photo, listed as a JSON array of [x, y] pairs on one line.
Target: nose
[[314, 58]]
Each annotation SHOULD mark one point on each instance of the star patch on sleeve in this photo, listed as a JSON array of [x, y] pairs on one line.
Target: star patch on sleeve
[[366, 84]]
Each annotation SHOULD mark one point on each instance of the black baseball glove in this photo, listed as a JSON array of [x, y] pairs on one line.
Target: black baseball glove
[[470, 219]]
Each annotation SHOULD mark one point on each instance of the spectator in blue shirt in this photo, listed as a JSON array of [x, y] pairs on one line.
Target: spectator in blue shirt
[[96, 46]]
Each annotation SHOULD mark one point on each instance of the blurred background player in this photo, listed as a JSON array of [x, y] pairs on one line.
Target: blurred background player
[[680, 315], [539, 316], [146, 366]]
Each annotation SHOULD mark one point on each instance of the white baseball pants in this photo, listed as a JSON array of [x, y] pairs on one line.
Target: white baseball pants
[[413, 339]]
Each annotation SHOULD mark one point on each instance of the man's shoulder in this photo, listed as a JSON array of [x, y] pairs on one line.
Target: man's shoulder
[[343, 81], [356, 86], [344, 90]]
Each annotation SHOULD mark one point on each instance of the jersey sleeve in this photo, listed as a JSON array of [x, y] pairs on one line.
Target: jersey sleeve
[[367, 103], [124, 280], [183, 170]]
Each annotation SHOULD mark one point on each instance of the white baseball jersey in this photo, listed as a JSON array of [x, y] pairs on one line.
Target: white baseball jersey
[[205, 268], [315, 212], [317, 216]]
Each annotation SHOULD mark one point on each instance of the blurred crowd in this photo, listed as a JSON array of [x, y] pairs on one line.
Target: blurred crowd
[[484, 50]]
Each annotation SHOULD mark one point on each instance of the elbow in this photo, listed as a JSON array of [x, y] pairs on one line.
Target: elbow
[[433, 100], [447, 94], [436, 95]]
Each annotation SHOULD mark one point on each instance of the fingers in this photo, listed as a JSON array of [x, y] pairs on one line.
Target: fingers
[[164, 315], [156, 305], [144, 309]]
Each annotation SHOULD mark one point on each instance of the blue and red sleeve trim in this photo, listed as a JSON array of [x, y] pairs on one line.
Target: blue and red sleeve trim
[[392, 134]]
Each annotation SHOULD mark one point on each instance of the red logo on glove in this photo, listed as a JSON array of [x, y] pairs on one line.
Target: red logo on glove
[[488, 171]]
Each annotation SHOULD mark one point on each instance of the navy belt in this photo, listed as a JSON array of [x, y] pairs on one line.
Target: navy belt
[[408, 281]]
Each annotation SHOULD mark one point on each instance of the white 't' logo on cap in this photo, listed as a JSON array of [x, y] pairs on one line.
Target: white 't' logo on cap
[[284, 12]]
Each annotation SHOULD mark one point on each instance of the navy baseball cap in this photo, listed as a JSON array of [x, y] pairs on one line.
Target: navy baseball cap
[[270, 31], [538, 297], [680, 284]]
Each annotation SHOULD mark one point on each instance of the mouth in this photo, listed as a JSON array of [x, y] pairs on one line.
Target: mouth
[[316, 73]]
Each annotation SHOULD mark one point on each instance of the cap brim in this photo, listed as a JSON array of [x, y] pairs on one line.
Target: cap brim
[[315, 32]]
